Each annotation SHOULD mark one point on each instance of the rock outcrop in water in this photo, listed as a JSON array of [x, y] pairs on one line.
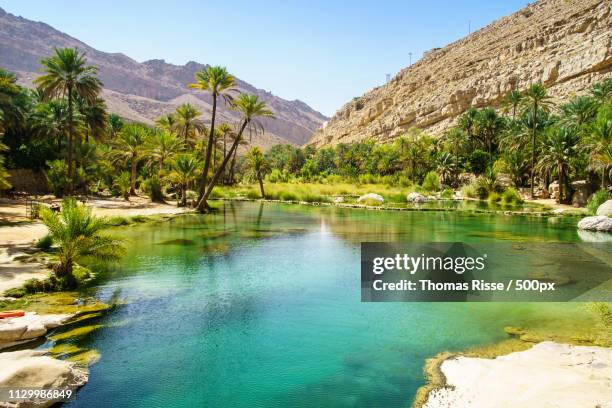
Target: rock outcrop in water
[[566, 44]]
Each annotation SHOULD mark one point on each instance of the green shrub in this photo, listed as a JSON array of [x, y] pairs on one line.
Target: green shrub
[[153, 188], [371, 202], [447, 194], [288, 196], [431, 182], [123, 183], [57, 177], [368, 179], [470, 190], [479, 161], [44, 243], [253, 194], [217, 193], [494, 198], [511, 196], [314, 198], [597, 199]]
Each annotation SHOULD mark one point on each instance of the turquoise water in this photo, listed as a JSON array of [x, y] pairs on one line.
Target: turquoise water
[[259, 306]]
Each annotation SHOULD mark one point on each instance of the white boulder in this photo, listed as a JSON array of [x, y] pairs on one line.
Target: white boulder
[[605, 209], [33, 369], [14, 330], [371, 197], [416, 198], [596, 223]]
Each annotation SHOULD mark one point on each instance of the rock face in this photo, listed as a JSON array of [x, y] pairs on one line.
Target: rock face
[[17, 330], [564, 44], [605, 209], [144, 91], [32, 369], [596, 223], [547, 375]]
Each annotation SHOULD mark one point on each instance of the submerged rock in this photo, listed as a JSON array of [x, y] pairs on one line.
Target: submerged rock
[[605, 209], [371, 197], [596, 223], [416, 198], [16, 330], [34, 369]]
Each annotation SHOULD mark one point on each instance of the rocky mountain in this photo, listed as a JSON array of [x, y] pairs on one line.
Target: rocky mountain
[[566, 44], [144, 91]]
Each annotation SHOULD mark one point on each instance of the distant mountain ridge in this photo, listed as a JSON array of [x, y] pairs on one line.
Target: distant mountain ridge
[[145, 91]]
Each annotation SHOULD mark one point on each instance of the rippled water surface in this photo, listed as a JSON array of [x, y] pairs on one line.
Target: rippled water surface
[[259, 306]]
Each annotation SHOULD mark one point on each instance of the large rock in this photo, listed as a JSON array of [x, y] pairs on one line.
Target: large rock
[[553, 190], [416, 198], [16, 330], [33, 369], [581, 193], [371, 197], [605, 209], [596, 223], [563, 44]]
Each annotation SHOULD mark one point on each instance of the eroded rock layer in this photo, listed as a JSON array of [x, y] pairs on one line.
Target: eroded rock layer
[[566, 44]]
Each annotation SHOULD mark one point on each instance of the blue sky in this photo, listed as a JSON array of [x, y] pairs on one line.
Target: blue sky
[[322, 52]]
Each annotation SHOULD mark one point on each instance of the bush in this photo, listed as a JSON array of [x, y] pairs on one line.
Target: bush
[[479, 161], [288, 196], [447, 194], [57, 176], [597, 199], [253, 194], [153, 188], [44, 243], [368, 179], [511, 196], [494, 198], [431, 182], [470, 190]]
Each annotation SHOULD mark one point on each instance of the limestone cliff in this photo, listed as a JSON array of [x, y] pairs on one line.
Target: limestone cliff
[[566, 44]]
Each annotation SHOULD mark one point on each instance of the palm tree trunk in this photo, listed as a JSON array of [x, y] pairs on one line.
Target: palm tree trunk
[[183, 194], [560, 181], [232, 167], [203, 203], [208, 149], [533, 140], [70, 164], [133, 178], [259, 178], [224, 178]]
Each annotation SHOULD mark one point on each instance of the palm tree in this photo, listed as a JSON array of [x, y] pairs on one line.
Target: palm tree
[[12, 112], [599, 143], [77, 233], [67, 76], [579, 111], [115, 124], [167, 122], [162, 146], [185, 168], [241, 142], [95, 117], [129, 147], [187, 123], [446, 167], [124, 183], [536, 97], [250, 107], [488, 125], [225, 129], [259, 166], [602, 91], [558, 149], [512, 101], [467, 122], [4, 175], [218, 82], [50, 120]]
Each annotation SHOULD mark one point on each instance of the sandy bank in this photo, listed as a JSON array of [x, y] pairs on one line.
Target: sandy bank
[[17, 239], [546, 375]]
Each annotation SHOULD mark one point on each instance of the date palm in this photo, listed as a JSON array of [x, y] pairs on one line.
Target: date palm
[[115, 124], [10, 110], [558, 149], [67, 76], [95, 117], [77, 234], [488, 126], [129, 148], [218, 82], [185, 169], [167, 122], [535, 97], [258, 166], [602, 91], [250, 108], [187, 123], [512, 101], [162, 146], [599, 143], [579, 111]]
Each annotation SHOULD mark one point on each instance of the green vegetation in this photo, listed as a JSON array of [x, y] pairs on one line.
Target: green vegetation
[[600, 197], [62, 127], [77, 234]]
